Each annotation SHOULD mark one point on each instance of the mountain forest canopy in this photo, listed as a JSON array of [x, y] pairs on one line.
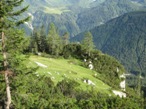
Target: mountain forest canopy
[[47, 71], [75, 16], [123, 38]]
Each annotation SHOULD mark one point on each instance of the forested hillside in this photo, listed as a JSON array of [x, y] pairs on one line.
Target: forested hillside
[[47, 71], [77, 16], [58, 77], [124, 38]]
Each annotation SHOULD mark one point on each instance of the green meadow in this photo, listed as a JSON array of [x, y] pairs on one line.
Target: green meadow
[[59, 69], [54, 10]]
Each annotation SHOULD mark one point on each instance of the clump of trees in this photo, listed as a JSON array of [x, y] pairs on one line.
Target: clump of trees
[[27, 94], [51, 43], [57, 45]]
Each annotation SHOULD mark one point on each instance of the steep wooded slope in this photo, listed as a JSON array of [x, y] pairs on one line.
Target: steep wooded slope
[[125, 39], [80, 15]]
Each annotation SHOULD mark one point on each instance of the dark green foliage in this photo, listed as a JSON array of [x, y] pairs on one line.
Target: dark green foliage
[[67, 87], [8, 15], [43, 42], [30, 91], [2, 90], [108, 67], [54, 41], [87, 43], [72, 50], [15, 46], [38, 41], [103, 12], [8, 21], [124, 38], [13, 40], [81, 15], [34, 40], [65, 22]]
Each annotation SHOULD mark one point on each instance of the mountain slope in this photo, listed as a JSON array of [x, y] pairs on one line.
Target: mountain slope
[[105, 11], [58, 69], [40, 4], [124, 38], [79, 15]]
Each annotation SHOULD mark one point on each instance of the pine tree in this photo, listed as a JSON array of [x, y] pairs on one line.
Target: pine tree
[[33, 47], [8, 19], [38, 41], [43, 45], [54, 41], [87, 43]]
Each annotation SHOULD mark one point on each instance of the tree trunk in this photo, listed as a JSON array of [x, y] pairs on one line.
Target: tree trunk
[[5, 65]]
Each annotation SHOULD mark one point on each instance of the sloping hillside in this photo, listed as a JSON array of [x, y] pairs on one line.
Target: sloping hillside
[[125, 39], [78, 15], [58, 69]]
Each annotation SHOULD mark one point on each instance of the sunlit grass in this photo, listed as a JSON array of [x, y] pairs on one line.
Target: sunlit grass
[[54, 10], [58, 69]]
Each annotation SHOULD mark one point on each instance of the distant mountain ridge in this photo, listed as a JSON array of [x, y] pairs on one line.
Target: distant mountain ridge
[[124, 38], [39, 4], [75, 16]]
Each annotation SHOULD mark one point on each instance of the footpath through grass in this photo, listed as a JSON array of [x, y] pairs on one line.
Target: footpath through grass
[[58, 69]]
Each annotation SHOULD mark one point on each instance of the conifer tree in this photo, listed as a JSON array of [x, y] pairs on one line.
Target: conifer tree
[[38, 41], [43, 42], [54, 41], [87, 43], [33, 42], [8, 19]]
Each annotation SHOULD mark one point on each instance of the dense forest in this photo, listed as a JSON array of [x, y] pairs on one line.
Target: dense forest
[[78, 15], [124, 38], [21, 88]]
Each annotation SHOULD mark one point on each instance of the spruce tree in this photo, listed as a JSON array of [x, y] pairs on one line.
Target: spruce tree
[[33, 47], [38, 41], [87, 43], [43, 44], [54, 41], [8, 19]]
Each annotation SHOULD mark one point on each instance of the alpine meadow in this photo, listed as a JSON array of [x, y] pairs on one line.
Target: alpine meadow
[[73, 54]]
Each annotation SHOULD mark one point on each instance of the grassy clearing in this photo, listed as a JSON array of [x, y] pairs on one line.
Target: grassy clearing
[[59, 10], [58, 69]]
